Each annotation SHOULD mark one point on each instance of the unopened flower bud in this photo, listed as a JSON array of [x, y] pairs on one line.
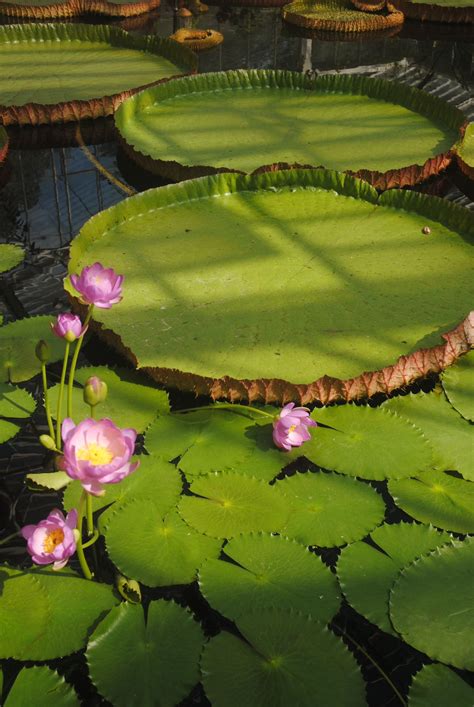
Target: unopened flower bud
[[47, 441], [129, 589], [42, 351], [95, 391]]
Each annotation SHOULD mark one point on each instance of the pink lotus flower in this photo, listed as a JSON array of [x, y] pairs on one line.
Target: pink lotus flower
[[97, 452], [290, 429], [53, 540], [68, 326], [98, 285]]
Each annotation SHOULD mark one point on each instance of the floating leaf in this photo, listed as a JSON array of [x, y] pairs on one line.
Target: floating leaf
[[10, 255], [42, 687], [450, 436], [7, 430], [458, 384], [55, 480], [227, 504], [366, 573], [154, 663], [271, 571], [171, 435], [18, 341], [367, 442], [438, 686], [46, 614], [129, 402], [153, 547], [155, 479], [431, 604], [320, 505], [437, 498], [15, 402], [287, 659]]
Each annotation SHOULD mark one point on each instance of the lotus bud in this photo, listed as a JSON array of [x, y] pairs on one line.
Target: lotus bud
[[42, 351], [48, 442], [95, 391], [129, 589]]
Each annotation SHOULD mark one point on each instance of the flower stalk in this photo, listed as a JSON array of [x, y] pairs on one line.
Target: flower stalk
[[79, 546], [72, 370], [59, 410]]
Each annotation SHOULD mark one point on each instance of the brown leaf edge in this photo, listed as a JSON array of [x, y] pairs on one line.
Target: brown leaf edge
[[198, 40], [4, 145], [435, 13], [326, 389], [248, 3], [324, 36], [78, 110], [296, 13], [394, 178], [77, 8], [365, 6]]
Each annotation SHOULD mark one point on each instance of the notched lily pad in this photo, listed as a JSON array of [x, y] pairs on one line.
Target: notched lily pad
[[440, 686], [431, 604], [48, 688]]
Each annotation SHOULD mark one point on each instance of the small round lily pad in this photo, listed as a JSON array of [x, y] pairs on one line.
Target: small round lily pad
[[286, 659], [330, 509], [431, 604], [367, 573], [18, 340], [226, 504], [10, 255], [152, 661], [367, 442], [438, 498], [269, 571]]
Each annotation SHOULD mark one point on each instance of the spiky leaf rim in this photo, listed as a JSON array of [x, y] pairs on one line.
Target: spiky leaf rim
[[77, 110], [276, 391]]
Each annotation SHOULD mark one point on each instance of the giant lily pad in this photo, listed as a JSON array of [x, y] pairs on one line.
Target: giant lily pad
[[431, 604], [450, 436], [58, 73], [414, 131], [458, 384], [437, 498], [269, 570], [440, 686], [133, 662], [51, 9], [339, 16], [286, 659], [367, 573], [320, 509], [49, 689], [274, 287], [18, 341], [439, 11], [45, 614]]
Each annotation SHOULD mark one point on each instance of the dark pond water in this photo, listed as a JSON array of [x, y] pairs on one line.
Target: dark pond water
[[54, 186]]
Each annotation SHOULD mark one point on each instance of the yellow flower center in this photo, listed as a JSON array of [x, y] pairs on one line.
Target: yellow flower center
[[95, 455], [292, 428], [53, 538]]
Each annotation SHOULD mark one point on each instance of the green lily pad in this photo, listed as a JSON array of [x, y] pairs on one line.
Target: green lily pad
[[450, 436], [226, 504], [264, 293], [15, 402], [367, 442], [431, 604], [437, 498], [286, 659], [366, 573], [153, 662], [10, 255], [18, 340], [51, 65], [171, 435], [270, 571], [45, 614], [440, 686], [7, 430], [129, 402], [48, 688], [155, 479], [458, 384], [55, 480], [330, 510], [153, 547], [437, 684]]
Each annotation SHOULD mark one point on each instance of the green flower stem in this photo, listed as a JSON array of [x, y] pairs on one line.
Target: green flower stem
[[90, 519], [59, 411], [72, 370], [46, 401], [79, 547], [226, 406], [94, 539]]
